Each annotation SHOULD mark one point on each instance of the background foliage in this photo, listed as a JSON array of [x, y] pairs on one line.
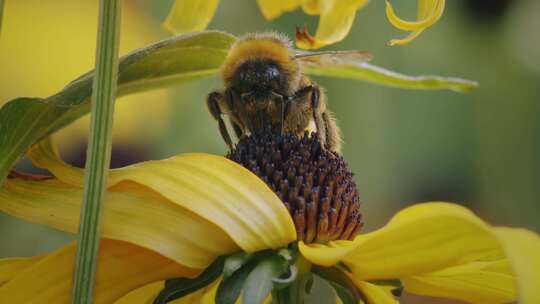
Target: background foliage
[[480, 149]]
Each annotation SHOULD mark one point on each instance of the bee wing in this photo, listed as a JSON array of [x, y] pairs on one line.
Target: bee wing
[[326, 58]]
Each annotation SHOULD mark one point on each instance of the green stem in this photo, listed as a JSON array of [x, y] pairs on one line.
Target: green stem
[[294, 293], [99, 149]]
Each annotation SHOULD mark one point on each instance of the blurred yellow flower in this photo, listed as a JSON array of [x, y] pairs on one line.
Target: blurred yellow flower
[[428, 12], [46, 44], [173, 217], [335, 17]]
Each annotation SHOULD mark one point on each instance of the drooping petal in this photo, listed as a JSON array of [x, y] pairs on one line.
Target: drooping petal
[[190, 15], [422, 238], [375, 294], [147, 294], [523, 249], [210, 186], [142, 295], [10, 267], [272, 9], [316, 7], [405, 40], [334, 24], [45, 155], [221, 191], [475, 282], [327, 255], [122, 267], [428, 12], [209, 294], [136, 215]]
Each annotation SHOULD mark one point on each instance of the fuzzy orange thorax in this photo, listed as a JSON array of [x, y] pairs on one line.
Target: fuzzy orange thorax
[[249, 49]]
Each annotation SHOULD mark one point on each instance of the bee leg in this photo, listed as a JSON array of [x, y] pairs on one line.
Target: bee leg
[[333, 134], [283, 105], [237, 129], [281, 101], [249, 120], [234, 120], [212, 101], [284, 108], [316, 105]]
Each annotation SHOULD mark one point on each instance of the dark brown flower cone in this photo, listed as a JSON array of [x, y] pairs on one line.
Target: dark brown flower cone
[[315, 184]]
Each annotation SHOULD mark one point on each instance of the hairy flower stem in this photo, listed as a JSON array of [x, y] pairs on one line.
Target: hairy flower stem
[[294, 293], [99, 149]]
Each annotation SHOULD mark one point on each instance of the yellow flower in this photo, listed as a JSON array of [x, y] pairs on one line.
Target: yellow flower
[[428, 12], [174, 217], [335, 17]]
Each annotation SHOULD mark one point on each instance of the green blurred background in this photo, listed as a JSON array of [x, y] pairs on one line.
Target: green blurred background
[[479, 149]]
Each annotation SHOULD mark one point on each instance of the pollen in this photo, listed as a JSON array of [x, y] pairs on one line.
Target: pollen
[[314, 183]]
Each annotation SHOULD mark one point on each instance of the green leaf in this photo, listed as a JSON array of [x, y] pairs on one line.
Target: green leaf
[[344, 287], [377, 75], [260, 281], [230, 288], [235, 262], [292, 274], [292, 286], [309, 284], [177, 288], [287, 254], [176, 60]]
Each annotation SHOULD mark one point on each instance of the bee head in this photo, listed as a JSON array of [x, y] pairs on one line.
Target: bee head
[[259, 75], [261, 63]]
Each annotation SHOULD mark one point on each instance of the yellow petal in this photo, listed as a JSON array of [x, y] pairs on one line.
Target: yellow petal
[[523, 249], [334, 24], [122, 267], [147, 294], [45, 155], [10, 267], [422, 238], [272, 9], [429, 12], [405, 40], [221, 191], [190, 15], [327, 255], [209, 295], [375, 294], [316, 7], [142, 295], [136, 215], [213, 187], [476, 282]]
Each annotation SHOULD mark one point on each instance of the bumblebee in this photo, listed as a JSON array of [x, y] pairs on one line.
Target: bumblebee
[[265, 87]]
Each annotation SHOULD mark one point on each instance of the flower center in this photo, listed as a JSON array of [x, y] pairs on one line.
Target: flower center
[[314, 183]]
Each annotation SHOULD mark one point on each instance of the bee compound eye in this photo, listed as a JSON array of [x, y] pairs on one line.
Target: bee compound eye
[[272, 73]]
